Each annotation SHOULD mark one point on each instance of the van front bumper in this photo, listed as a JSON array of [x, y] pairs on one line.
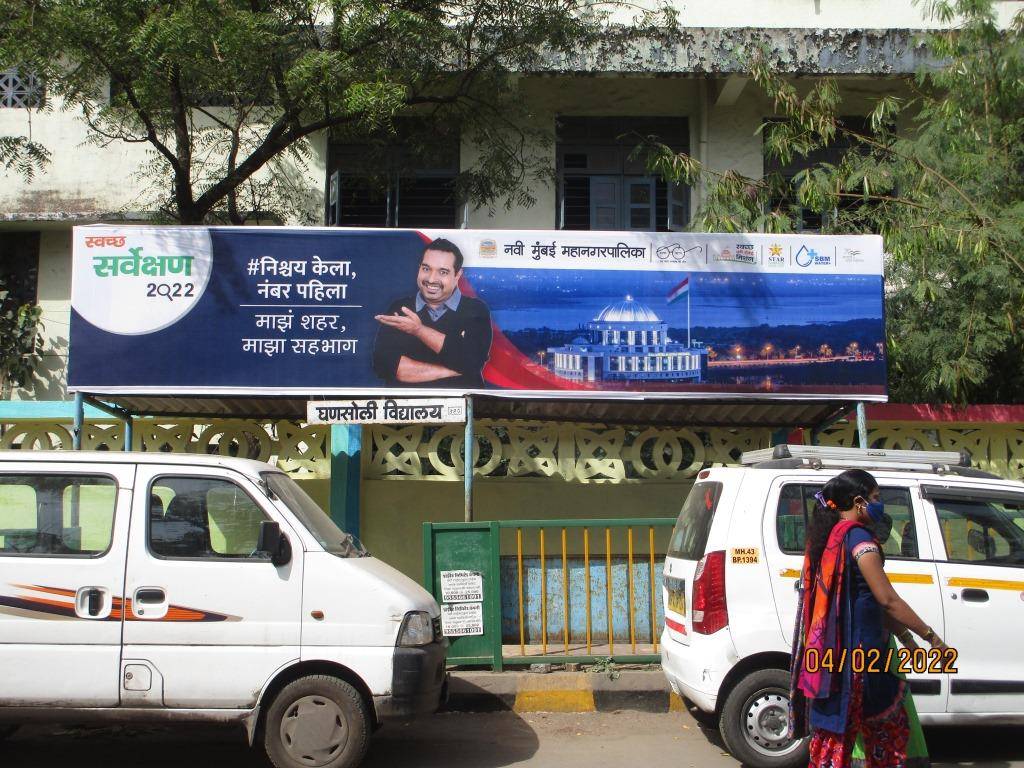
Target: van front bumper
[[419, 682]]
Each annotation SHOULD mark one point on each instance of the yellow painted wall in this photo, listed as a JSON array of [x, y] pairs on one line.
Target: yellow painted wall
[[393, 511]]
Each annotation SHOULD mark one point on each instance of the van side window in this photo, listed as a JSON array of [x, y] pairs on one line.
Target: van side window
[[897, 532], [200, 517], [983, 532], [70, 515]]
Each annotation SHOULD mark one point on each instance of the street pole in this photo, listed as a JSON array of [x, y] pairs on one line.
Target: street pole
[[467, 464], [76, 429], [862, 425]]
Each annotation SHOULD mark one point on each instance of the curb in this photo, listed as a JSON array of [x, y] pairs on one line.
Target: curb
[[632, 690]]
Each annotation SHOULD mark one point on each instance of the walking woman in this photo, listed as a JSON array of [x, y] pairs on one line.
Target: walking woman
[[846, 603]]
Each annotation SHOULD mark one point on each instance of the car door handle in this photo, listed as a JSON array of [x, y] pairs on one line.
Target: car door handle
[[975, 595], [150, 596]]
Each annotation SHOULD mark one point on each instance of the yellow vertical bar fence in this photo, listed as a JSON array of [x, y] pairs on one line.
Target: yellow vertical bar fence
[[608, 590], [629, 572], [586, 576], [522, 621], [654, 610], [543, 598], [565, 595]]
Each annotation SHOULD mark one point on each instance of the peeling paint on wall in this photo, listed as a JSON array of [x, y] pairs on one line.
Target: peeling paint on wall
[[702, 50]]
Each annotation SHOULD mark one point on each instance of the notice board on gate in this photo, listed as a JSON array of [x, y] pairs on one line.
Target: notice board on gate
[[321, 311]]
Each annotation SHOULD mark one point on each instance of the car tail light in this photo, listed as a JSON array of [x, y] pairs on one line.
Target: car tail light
[[710, 612]]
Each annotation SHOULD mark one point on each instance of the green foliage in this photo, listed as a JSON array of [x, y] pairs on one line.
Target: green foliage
[[20, 343], [939, 175], [227, 93], [605, 666], [24, 156]]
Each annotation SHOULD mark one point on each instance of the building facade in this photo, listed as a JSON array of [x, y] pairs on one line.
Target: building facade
[[628, 342], [694, 95]]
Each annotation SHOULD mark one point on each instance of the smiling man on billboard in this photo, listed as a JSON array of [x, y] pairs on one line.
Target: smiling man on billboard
[[437, 337]]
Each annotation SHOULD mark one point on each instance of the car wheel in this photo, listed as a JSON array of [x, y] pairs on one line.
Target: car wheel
[[317, 721], [754, 721]]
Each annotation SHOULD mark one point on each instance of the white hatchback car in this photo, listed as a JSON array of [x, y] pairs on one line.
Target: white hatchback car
[[955, 552]]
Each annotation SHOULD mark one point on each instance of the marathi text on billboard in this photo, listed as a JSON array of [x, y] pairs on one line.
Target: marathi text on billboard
[[280, 310]]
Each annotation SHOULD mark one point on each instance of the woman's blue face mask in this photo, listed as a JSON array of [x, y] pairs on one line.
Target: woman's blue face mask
[[876, 510]]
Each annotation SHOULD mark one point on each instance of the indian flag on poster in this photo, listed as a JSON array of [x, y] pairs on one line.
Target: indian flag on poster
[[679, 291]]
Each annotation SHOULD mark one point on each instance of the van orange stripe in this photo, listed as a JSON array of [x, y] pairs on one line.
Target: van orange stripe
[[48, 590], [1013, 586], [895, 578]]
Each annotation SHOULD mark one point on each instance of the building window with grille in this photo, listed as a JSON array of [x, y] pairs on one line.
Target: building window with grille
[[807, 220], [19, 268], [395, 188], [20, 89], [601, 187]]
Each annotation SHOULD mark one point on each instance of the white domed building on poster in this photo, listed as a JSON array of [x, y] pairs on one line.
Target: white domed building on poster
[[628, 341]]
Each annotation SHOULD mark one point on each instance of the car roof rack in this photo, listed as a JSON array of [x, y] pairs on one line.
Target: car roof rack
[[821, 457]]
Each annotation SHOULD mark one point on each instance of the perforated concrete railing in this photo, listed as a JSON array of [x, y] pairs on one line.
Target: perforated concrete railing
[[301, 450], [567, 452], [562, 451]]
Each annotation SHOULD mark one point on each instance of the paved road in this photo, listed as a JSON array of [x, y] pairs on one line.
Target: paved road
[[604, 740]]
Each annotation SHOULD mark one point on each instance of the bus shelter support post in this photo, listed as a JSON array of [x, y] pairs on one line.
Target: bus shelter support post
[[467, 464], [76, 430], [346, 471], [862, 425]]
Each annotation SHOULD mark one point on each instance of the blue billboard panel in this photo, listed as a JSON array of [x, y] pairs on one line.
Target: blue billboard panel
[[277, 310]]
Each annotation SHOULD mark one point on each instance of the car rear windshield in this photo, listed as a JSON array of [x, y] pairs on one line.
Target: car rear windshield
[[690, 536]]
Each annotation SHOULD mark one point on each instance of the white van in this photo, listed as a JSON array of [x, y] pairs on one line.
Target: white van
[[155, 586], [955, 553]]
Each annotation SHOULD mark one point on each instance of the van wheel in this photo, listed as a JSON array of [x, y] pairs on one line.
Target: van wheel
[[754, 721], [317, 721]]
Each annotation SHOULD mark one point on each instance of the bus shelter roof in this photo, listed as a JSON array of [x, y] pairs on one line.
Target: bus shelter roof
[[775, 413]]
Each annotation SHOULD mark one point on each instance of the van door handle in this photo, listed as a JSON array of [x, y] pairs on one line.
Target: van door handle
[[91, 603], [150, 596], [975, 595]]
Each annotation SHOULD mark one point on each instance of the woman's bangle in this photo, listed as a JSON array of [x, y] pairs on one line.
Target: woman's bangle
[[929, 636]]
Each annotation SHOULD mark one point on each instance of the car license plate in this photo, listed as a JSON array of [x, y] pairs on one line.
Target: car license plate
[[676, 595]]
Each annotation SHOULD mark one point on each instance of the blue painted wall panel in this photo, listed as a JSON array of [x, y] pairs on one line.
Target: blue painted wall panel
[[556, 613]]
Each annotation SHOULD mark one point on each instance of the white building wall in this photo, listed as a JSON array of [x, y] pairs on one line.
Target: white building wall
[[776, 14], [87, 182]]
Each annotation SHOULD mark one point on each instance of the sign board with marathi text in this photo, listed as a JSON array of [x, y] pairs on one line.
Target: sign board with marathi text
[[462, 619], [338, 313], [461, 586], [447, 410]]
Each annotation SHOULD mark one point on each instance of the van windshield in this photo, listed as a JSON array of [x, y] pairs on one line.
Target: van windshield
[[316, 521], [690, 536]]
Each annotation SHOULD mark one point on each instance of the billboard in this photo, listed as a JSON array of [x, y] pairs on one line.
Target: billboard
[[321, 311]]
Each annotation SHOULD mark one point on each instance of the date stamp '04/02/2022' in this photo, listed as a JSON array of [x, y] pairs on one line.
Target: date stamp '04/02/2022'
[[918, 661]]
